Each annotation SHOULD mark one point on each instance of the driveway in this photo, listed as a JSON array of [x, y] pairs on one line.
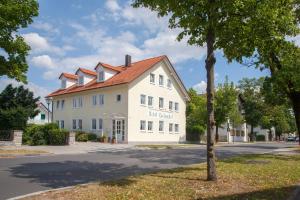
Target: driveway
[[19, 176]]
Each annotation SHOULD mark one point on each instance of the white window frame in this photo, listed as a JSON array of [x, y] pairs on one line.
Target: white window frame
[[74, 103], [169, 83], [150, 97], [152, 78], [80, 102], [101, 99], [170, 127], [94, 124], [142, 122], [74, 120], [150, 125], [94, 100], [170, 105], [79, 124], [176, 106], [143, 99], [101, 76], [161, 126], [161, 80], [161, 103], [100, 124]]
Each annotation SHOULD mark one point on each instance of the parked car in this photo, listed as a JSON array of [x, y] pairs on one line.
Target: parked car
[[291, 139]]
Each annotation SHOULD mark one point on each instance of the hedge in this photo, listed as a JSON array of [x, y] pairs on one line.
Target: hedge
[[260, 138], [82, 136]]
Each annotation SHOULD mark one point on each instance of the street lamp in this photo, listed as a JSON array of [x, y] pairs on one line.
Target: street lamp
[[48, 100]]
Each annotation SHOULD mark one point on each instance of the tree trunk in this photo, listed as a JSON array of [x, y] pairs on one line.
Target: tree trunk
[[252, 134], [217, 133], [209, 65], [295, 98]]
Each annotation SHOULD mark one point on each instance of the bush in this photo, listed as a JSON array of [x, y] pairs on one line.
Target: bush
[[84, 137], [57, 137], [29, 133], [92, 137], [38, 138], [194, 133], [260, 138]]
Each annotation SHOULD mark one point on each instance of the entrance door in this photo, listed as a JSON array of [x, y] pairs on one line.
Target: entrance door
[[119, 130]]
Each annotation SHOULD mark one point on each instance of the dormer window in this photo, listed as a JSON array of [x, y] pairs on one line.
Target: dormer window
[[101, 76], [80, 80], [63, 84]]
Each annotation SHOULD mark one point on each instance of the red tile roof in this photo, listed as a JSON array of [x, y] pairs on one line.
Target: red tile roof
[[69, 76], [86, 71], [127, 75], [118, 69]]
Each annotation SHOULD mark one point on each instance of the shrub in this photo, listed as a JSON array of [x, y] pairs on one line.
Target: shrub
[[57, 137], [92, 137], [260, 138], [81, 137], [38, 138], [78, 133], [29, 132]]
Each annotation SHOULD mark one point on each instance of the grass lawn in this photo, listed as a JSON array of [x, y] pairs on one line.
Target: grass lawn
[[4, 153], [246, 177]]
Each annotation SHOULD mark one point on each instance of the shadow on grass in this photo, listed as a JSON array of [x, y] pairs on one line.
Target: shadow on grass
[[281, 193], [260, 158]]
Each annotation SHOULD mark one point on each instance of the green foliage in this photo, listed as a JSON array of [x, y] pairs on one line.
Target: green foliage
[[16, 106], [260, 138], [47, 134], [83, 137], [92, 137], [15, 14], [196, 113]]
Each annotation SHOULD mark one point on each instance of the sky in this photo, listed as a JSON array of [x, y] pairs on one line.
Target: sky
[[79, 33]]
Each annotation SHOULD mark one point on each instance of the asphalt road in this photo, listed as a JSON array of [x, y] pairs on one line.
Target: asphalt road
[[19, 176]]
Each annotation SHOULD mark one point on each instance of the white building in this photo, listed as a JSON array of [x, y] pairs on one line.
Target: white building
[[144, 101], [44, 116]]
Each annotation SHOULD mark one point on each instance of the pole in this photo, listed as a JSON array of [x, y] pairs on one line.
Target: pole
[[48, 111]]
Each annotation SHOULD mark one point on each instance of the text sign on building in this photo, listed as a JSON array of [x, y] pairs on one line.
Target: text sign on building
[[160, 115]]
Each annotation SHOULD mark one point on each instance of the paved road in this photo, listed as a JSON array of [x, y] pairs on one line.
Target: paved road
[[19, 176]]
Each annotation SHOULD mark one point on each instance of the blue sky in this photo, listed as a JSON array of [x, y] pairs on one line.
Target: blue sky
[[71, 34]]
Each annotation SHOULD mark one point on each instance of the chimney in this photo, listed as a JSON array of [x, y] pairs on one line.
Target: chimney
[[127, 61]]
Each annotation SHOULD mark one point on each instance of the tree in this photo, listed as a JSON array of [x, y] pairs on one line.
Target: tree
[[226, 103], [15, 14], [268, 30], [195, 115], [252, 102], [214, 22], [16, 106]]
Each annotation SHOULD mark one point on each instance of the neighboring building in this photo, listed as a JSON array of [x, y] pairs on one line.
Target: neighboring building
[[42, 117], [144, 101]]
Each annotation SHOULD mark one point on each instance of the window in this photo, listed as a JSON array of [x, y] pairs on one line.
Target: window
[[142, 125], [74, 103], [57, 122], [63, 84], [176, 106], [100, 124], [119, 97], [150, 126], [57, 104], [80, 102], [101, 99], [43, 116], [161, 125], [143, 99], [170, 105], [170, 127], [169, 83], [94, 125], [94, 100], [101, 76], [62, 104], [152, 78], [176, 128], [161, 102], [161, 80], [150, 101], [80, 124], [74, 124], [80, 80], [62, 124]]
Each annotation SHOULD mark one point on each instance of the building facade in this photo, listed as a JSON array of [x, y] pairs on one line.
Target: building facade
[[144, 101], [44, 116]]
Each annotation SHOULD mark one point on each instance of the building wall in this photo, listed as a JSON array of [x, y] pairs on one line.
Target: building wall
[[139, 112], [38, 119], [111, 108]]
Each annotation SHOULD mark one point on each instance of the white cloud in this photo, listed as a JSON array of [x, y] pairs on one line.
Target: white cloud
[[43, 61], [45, 27], [37, 90], [40, 44], [200, 87], [112, 5]]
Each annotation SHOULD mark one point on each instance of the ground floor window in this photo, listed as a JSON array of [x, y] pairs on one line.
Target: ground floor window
[[176, 128], [142, 125], [74, 124], [161, 125], [80, 124], [170, 127], [150, 125], [100, 124], [62, 124], [94, 125]]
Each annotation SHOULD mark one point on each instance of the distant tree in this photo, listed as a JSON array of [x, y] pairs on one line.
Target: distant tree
[[226, 103], [15, 14], [196, 114], [17, 104], [252, 102]]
